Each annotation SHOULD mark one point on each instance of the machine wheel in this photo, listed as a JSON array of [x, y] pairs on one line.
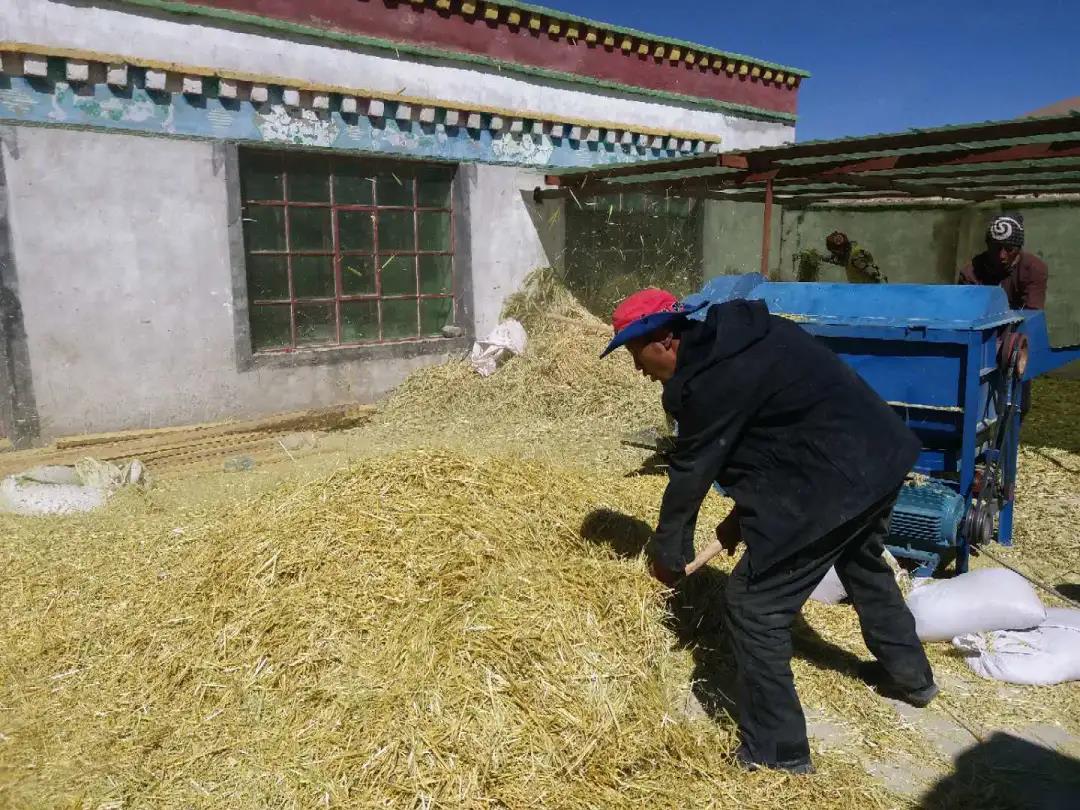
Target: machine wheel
[[978, 524], [1013, 353]]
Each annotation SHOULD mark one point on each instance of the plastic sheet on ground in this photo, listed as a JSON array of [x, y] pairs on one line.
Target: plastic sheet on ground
[[59, 490]]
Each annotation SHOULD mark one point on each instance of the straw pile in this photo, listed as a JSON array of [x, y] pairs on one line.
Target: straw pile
[[428, 629], [559, 384], [458, 618]]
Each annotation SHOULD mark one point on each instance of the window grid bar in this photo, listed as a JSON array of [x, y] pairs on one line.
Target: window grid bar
[[375, 261], [416, 244], [276, 302], [288, 257], [351, 345], [336, 255], [328, 254], [335, 240], [453, 259], [344, 206]]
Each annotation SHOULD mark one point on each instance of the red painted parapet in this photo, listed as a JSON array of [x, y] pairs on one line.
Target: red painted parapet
[[541, 42]]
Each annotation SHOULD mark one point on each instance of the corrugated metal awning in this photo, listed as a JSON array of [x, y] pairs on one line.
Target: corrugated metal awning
[[978, 162]]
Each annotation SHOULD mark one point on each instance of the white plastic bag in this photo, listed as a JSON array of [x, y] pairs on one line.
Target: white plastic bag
[[1062, 617], [505, 339], [830, 590], [50, 474], [975, 602], [110, 477], [1047, 655]]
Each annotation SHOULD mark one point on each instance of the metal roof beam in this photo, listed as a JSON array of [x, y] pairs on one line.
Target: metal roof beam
[[998, 130], [958, 173], [948, 157], [988, 181], [912, 189], [840, 171], [962, 142], [730, 160], [961, 172]]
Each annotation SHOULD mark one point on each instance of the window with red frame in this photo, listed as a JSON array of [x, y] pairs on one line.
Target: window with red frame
[[345, 251]]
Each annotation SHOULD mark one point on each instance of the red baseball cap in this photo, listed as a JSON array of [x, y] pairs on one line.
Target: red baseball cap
[[644, 312]]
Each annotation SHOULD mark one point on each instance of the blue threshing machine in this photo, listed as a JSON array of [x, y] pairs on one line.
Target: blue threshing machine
[[951, 361]]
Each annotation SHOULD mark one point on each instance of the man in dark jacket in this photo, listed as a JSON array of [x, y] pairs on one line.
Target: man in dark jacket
[[814, 460], [1022, 275], [1005, 263]]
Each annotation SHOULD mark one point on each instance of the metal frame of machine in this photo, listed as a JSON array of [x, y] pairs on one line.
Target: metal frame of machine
[[951, 361]]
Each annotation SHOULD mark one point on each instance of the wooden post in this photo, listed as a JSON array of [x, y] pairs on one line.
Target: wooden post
[[766, 233]]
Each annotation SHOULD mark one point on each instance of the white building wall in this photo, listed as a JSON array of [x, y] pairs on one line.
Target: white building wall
[[125, 281], [122, 242]]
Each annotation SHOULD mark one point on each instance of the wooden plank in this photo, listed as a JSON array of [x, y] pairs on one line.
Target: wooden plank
[[335, 418], [90, 439], [166, 446]]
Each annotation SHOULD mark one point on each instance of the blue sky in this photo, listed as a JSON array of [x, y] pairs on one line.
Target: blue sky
[[882, 66]]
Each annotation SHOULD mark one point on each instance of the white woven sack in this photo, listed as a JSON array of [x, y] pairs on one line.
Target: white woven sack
[[975, 602]]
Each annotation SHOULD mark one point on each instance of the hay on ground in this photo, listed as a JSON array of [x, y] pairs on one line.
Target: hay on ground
[[429, 629], [457, 617], [560, 381]]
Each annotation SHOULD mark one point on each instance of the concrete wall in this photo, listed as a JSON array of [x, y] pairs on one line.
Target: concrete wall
[[126, 283], [125, 31], [125, 247], [510, 235], [1052, 230], [914, 245], [731, 238], [929, 243]]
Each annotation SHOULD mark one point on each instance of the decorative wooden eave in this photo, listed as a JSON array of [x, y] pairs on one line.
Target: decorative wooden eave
[[526, 39], [559, 24], [84, 69]]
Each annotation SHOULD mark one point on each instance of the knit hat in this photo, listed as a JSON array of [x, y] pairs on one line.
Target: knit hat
[[1006, 229]]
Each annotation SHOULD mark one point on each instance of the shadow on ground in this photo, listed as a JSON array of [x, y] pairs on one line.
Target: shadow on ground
[[654, 464], [696, 618], [1070, 590], [1008, 772]]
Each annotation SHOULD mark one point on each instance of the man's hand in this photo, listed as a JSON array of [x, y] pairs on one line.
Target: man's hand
[[666, 576], [728, 534]]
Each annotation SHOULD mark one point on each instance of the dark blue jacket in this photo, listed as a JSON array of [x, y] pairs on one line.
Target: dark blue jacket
[[792, 434]]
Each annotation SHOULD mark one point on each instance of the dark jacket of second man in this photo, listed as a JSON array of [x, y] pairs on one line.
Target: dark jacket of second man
[[795, 437]]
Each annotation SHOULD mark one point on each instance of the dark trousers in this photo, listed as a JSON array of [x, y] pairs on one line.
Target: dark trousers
[[761, 609]]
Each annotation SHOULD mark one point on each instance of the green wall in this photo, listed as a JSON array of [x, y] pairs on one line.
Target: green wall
[[909, 245], [1053, 234], [924, 243], [731, 238]]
